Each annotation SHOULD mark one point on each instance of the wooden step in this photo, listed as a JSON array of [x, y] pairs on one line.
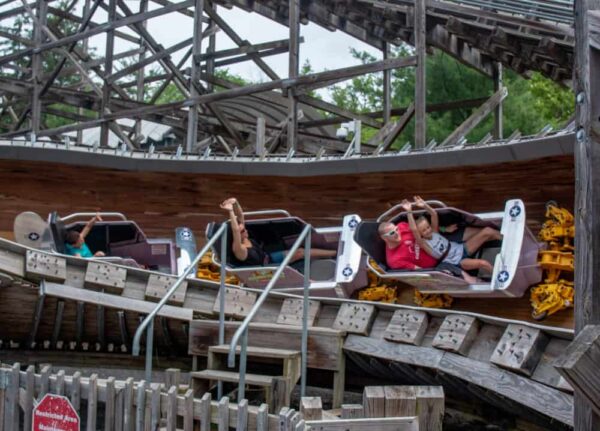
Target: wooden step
[[231, 376], [257, 352]]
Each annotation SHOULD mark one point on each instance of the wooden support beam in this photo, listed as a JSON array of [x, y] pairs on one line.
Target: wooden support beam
[[579, 365], [79, 322], [36, 66], [212, 43], [100, 328], [387, 84], [60, 307], [37, 317], [293, 71], [475, 118], [587, 194], [108, 65], [498, 112], [192, 129], [388, 134], [420, 30]]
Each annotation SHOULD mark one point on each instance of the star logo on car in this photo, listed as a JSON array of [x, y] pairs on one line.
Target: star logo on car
[[347, 271], [503, 276], [515, 211]]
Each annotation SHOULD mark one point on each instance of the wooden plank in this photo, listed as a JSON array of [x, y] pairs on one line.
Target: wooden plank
[[456, 334], [223, 414], [379, 424], [374, 402], [29, 397], [12, 263], [92, 402], [420, 29], [579, 364], [76, 390], [475, 118], [128, 406], [172, 409], [118, 302], [407, 326], [172, 377], [105, 276], [60, 383], [44, 381], [188, 417], [158, 286], [324, 343], [430, 407], [400, 401], [140, 408], [262, 418], [45, 266], [155, 405], [355, 318], [192, 129], [291, 312], [279, 393], [520, 348], [205, 414], [238, 302], [352, 411], [120, 409], [242, 416], [60, 307], [390, 132], [11, 407], [109, 404], [311, 408]]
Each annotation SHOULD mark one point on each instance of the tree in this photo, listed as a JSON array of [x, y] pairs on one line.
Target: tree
[[530, 105]]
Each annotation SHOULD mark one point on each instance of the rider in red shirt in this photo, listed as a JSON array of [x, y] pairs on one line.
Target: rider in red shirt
[[401, 249]]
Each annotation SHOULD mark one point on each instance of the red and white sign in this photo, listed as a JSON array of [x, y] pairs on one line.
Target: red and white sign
[[55, 413]]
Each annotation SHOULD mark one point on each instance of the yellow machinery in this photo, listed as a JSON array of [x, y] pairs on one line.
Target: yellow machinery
[[208, 271], [386, 291], [557, 291]]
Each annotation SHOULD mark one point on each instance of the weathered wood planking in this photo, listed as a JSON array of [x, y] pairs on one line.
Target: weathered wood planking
[[324, 344], [407, 326], [292, 311], [355, 318], [12, 263], [40, 266], [159, 285], [105, 276], [238, 302], [520, 348], [579, 365], [551, 402], [456, 334]]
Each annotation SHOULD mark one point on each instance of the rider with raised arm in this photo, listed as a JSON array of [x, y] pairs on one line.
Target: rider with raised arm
[[250, 252]]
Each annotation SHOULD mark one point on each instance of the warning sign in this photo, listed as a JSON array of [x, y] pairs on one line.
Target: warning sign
[[55, 413]]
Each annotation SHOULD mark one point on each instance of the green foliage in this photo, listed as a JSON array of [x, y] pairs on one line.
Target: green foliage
[[530, 105]]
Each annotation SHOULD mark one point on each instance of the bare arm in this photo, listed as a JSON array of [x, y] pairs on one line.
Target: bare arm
[[239, 212], [88, 227], [435, 221], [238, 248], [412, 224]]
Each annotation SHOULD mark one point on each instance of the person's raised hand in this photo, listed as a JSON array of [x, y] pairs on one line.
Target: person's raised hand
[[419, 202], [227, 204], [406, 205], [97, 217]]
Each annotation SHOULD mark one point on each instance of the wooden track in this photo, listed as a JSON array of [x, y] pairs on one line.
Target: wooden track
[[470, 347]]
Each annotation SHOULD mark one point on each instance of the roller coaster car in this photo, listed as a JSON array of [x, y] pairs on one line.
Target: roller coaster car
[[120, 239], [514, 260], [276, 230]]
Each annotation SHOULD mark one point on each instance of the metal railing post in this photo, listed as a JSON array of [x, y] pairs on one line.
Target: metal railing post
[[242, 330], [222, 302], [243, 359], [304, 347], [150, 317]]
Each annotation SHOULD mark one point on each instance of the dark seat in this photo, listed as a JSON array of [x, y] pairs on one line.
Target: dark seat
[[59, 232], [367, 237]]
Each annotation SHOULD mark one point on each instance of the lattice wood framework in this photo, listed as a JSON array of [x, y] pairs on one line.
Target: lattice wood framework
[[276, 116]]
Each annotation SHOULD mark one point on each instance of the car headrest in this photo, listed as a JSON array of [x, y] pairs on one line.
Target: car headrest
[[59, 232], [367, 237]]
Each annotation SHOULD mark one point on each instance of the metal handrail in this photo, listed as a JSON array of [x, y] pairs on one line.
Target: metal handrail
[[149, 320], [386, 214], [243, 329], [109, 214], [266, 212]]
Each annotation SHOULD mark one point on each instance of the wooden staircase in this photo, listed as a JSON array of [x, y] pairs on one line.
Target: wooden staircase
[[277, 388]]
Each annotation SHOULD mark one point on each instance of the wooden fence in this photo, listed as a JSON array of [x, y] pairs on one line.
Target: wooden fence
[[109, 404]]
